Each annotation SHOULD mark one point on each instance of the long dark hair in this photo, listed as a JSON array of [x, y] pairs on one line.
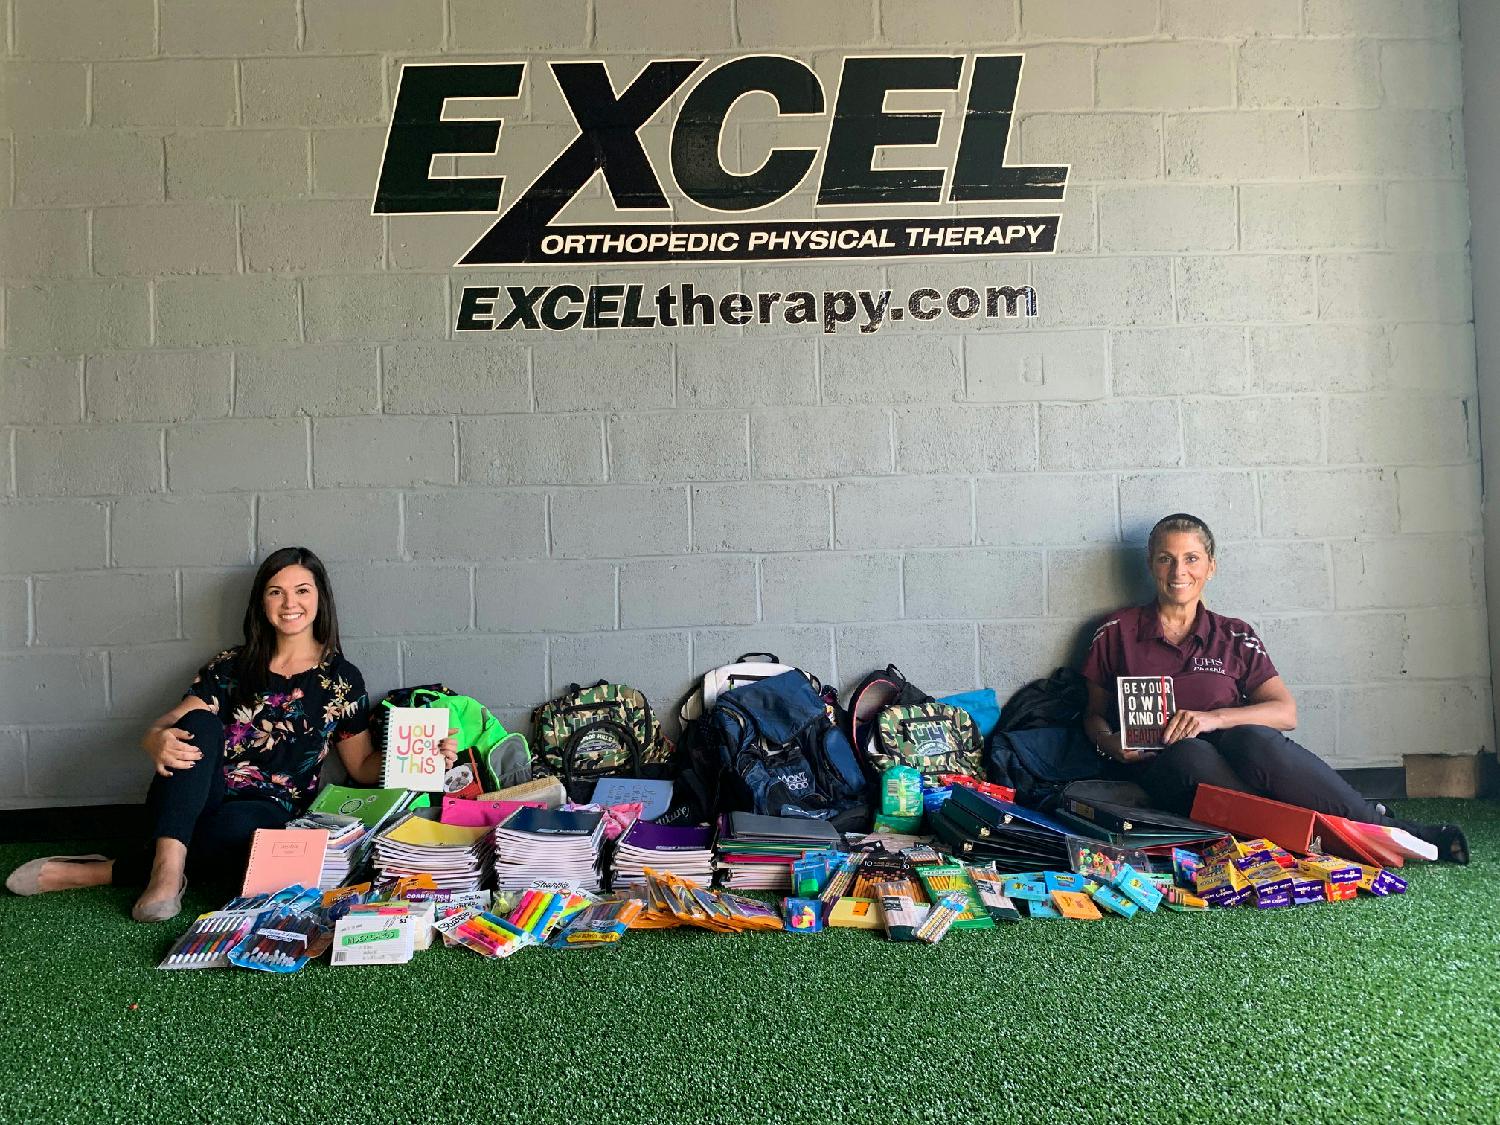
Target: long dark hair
[[260, 636]]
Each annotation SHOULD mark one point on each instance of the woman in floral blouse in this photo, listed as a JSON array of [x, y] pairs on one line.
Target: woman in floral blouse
[[244, 748]]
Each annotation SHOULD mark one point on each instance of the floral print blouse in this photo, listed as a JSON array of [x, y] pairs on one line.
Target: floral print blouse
[[275, 749]]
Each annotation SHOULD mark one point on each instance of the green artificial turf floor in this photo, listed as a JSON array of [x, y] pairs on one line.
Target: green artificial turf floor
[[1378, 1010]]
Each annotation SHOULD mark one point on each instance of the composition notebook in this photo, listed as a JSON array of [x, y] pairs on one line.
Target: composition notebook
[[282, 857], [412, 758]]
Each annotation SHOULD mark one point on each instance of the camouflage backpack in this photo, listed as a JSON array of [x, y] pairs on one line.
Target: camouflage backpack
[[930, 737], [604, 730]]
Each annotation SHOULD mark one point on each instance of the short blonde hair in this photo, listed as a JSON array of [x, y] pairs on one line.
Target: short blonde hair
[[1180, 521]]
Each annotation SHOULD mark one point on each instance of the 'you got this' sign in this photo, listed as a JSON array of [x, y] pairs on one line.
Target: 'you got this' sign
[[412, 757]]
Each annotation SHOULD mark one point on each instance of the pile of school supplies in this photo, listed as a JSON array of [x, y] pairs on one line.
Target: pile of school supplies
[[757, 852], [550, 844], [684, 850], [277, 933], [456, 856], [348, 842]]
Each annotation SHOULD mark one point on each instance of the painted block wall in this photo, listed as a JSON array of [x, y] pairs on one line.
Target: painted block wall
[[1260, 311]]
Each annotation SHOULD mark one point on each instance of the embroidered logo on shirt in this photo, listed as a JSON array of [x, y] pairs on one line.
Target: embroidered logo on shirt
[[1210, 664]]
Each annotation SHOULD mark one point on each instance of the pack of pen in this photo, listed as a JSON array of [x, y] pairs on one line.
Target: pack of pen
[[296, 896], [943, 916], [207, 942], [600, 925], [282, 940], [750, 913]]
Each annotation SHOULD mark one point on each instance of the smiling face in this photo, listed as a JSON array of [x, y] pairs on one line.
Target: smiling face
[[291, 601], [1181, 566]]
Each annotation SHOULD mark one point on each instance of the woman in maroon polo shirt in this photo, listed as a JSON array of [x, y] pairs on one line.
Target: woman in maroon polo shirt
[[1232, 704]]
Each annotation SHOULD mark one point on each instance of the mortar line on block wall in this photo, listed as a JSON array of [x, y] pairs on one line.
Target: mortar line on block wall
[[447, 39], [109, 531], [307, 448], [760, 601], [380, 379], [531, 403], [901, 586], [151, 312], [239, 96], [161, 457], [239, 237], [254, 524], [301, 314], [301, 25], [177, 590], [30, 609], [617, 595], [234, 381], [473, 599]]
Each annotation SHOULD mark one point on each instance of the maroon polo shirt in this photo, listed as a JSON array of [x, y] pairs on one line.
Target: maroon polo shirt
[[1218, 664]]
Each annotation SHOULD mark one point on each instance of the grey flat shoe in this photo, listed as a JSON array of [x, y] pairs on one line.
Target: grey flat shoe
[[164, 910], [26, 879]]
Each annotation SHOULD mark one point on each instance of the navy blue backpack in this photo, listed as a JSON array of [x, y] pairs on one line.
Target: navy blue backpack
[[772, 747]]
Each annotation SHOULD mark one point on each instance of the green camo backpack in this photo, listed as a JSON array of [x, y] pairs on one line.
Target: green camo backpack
[[932, 738], [604, 730]]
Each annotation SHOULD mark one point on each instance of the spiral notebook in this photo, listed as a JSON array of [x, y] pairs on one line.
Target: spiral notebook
[[282, 857], [412, 757]]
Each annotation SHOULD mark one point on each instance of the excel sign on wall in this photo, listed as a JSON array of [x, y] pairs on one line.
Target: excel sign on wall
[[861, 172]]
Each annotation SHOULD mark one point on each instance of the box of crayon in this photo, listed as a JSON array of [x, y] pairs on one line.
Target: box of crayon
[[1265, 875], [1379, 881], [1330, 868], [1223, 850], [1267, 899], [1306, 890]]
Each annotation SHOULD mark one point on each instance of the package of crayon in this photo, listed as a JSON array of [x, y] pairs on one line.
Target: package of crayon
[[207, 942], [1113, 901], [1063, 881], [991, 887], [1330, 868], [1134, 886], [1306, 890], [1176, 898], [1378, 881], [1222, 850], [802, 915], [943, 916], [1040, 908], [1222, 878], [1076, 905], [1265, 874]]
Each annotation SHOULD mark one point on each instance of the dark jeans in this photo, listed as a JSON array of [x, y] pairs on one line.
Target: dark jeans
[[194, 806], [1250, 759]]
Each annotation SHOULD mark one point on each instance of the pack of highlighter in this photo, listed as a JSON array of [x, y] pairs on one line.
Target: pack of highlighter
[[486, 934], [941, 918], [599, 926]]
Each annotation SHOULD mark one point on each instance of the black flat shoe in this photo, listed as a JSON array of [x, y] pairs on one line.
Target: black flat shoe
[[1452, 845]]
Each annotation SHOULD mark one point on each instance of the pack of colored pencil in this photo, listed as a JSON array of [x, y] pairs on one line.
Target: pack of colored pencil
[[207, 942]]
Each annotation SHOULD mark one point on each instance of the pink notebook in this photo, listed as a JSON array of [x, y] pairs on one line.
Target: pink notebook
[[280, 857], [481, 814]]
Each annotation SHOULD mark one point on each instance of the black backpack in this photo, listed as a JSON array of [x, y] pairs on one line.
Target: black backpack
[[772, 748], [1057, 701], [872, 695]]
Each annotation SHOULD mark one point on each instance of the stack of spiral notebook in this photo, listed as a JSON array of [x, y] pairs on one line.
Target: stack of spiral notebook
[[456, 856], [550, 844], [755, 852], [348, 844], [681, 849]]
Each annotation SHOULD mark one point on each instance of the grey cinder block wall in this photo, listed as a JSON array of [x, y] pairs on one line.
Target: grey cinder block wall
[[1259, 310]]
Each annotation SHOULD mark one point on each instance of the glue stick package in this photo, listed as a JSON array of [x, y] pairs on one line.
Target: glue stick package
[[901, 792]]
